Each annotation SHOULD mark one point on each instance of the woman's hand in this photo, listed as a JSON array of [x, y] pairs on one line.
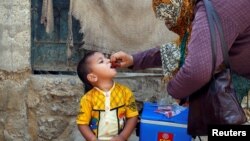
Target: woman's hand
[[121, 59]]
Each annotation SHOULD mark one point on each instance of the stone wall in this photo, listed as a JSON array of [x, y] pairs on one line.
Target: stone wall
[[42, 107]]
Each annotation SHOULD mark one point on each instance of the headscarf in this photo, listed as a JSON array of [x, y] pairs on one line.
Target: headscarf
[[167, 10], [178, 15]]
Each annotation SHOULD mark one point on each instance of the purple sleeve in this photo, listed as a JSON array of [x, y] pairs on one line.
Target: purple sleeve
[[197, 70], [147, 59]]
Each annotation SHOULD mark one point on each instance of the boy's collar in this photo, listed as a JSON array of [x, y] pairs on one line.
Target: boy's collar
[[105, 91]]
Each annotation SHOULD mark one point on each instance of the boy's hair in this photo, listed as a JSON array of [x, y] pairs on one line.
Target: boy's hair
[[83, 70]]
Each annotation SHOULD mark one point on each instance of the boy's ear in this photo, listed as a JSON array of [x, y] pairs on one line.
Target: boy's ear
[[92, 77]]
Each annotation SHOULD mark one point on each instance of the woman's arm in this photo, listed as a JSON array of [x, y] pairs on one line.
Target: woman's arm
[[147, 59]]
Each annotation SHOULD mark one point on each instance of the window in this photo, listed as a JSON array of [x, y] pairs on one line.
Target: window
[[49, 51]]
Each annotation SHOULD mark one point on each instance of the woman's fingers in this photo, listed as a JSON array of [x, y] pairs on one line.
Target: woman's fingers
[[121, 59]]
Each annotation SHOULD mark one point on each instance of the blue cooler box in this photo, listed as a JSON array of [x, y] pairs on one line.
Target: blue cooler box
[[157, 127]]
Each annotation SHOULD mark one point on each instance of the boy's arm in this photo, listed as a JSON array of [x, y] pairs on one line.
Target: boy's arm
[[128, 129], [87, 133]]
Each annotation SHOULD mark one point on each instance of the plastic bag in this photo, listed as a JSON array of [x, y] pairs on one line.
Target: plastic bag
[[170, 110]]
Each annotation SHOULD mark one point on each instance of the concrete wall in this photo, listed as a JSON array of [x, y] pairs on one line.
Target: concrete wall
[[14, 69]]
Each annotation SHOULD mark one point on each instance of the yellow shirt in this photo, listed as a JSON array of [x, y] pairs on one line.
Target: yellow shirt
[[106, 112]]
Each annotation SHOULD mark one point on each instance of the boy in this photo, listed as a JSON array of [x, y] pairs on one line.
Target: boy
[[108, 110]]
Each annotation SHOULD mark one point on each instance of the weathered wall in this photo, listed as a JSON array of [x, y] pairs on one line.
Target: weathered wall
[[14, 69], [41, 107]]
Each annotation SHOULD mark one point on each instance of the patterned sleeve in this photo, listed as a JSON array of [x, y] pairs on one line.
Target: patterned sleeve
[[131, 107], [84, 114], [170, 56]]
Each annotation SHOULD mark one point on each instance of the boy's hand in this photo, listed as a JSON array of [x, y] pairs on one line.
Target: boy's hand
[[118, 138]]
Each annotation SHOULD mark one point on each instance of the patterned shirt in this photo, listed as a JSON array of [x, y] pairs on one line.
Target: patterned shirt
[[196, 71], [106, 112]]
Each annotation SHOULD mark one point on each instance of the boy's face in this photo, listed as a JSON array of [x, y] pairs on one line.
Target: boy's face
[[100, 66]]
